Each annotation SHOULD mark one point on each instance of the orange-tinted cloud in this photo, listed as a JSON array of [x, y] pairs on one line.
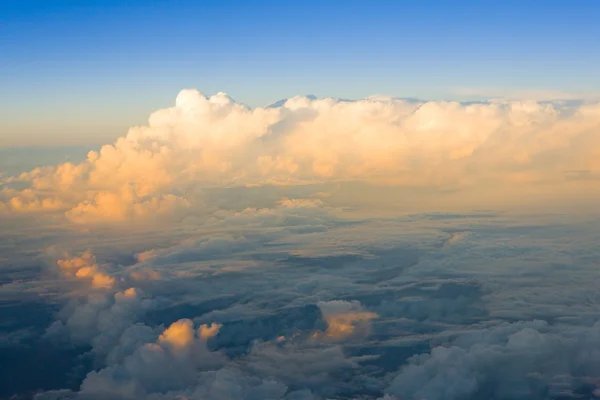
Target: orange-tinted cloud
[[213, 141]]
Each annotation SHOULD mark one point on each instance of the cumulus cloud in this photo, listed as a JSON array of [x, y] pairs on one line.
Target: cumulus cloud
[[214, 141], [178, 364], [107, 318], [86, 268], [169, 363], [100, 320], [344, 319]]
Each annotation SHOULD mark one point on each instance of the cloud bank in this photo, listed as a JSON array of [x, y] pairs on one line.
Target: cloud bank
[[206, 142]]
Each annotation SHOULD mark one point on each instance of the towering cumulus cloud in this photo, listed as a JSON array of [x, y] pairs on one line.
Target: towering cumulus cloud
[[203, 142]]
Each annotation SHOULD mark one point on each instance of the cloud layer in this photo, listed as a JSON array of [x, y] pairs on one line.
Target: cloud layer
[[223, 252]]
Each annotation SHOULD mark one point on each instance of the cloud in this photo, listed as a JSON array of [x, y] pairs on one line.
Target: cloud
[[123, 205], [455, 238], [85, 268], [521, 360], [196, 250], [323, 370], [178, 364], [179, 335], [100, 319], [156, 171], [207, 331], [170, 363], [344, 320], [239, 305]]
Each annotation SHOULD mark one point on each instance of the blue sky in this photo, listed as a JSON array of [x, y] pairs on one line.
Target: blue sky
[[81, 72]]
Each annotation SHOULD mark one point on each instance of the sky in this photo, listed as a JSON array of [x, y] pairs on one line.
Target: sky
[[339, 200], [89, 70]]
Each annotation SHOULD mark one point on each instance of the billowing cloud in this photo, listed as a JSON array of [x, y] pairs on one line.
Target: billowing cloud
[[169, 363], [102, 320], [157, 169], [86, 268]]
